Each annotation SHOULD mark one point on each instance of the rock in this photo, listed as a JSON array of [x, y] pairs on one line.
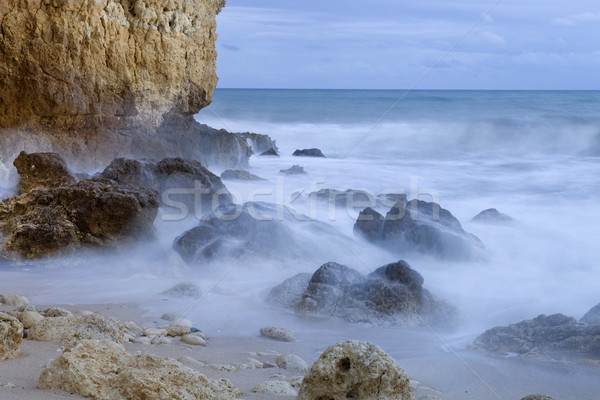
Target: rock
[[86, 327], [294, 170], [282, 334], [592, 317], [190, 361], [56, 312], [240, 175], [419, 227], [160, 340], [154, 332], [275, 388], [259, 143], [350, 199], [292, 363], [289, 293], [11, 336], [104, 370], [270, 152], [184, 290], [537, 397], [61, 219], [391, 295], [14, 300], [143, 340], [308, 153], [492, 216], [130, 172], [171, 317], [29, 318], [355, 370], [542, 335], [390, 199], [178, 329], [194, 340], [42, 170], [252, 229]]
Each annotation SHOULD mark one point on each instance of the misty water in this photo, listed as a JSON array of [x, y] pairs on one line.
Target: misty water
[[532, 155]]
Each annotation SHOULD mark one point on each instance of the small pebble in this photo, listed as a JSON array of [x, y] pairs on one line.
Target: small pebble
[[154, 332], [193, 340], [283, 334], [192, 329]]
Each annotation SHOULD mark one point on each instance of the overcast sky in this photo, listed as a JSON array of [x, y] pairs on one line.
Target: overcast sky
[[392, 44]]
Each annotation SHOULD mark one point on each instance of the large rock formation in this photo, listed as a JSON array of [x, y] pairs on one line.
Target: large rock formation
[[103, 370], [355, 370], [97, 79], [11, 335]]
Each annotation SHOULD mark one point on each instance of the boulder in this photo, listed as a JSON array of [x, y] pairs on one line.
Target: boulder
[[42, 170], [277, 333], [240, 175], [292, 363], [184, 289], [592, 317], [545, 334], [85, 327], [350, 199], [289, 293], [391, 295], [309, 153], [419, 227], [94, 212], [131, 172], [492, 216], [275, 388], [294, 170], [355, 370], [14, 300], [104, 370], [11, 336]]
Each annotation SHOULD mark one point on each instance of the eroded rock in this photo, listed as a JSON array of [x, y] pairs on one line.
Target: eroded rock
[[309, 153], [42, 170], [15, 300], [355, 370], [11, 336], [278, 333], [85, 327], [276, 388], [104, 371]]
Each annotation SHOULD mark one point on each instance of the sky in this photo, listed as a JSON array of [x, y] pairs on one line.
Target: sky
[[395, 44]]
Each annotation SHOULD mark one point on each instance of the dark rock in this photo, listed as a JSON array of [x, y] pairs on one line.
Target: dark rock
[[420, 227], [392, 295], [390, 199], [240, 175], [260, 143], [235, 230], [270, 152], [492, 216], [537, 397], [293, 170], [592, 317], [309, 153], [92, 212], [351, 199], [42, 170], [131, 172], [543, 334]]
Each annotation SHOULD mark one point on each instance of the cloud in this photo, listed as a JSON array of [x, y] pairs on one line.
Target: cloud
[[577, 19]]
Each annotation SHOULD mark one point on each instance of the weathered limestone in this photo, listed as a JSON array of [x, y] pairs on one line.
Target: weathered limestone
[[11, 336]]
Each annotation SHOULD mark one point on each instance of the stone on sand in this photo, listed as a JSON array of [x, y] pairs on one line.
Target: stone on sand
[[292, 363], [14, 300], [85, 327], [282, 334], [11, 336], [277, 388]]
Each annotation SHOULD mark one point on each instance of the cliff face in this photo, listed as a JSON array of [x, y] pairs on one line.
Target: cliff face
[[96, 79]]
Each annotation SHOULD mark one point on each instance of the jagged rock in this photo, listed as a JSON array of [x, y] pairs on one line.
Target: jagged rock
[[92, 212], [292, 363], [42, 170], [289, 293], [104, 371], [309, 153], [537, 397], [11, 336], [14, 300], [492, 216], [355, 370], [419, 227], [277, 333], [95, 90], [592, 317], [390, 199], [184, 289], [391, 295], [240, 175], [270, 152], [86, 327], [275, 388], [260, 143], [294, 170], [234, 231], [56, 312], [542, 335], [130, 172]]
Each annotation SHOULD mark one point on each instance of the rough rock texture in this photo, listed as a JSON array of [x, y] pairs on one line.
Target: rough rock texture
[[11, 336], [104, 371], [309, 153], [14, 300], [42, 170], [240, 175], [259, 143], [288, 293], [86, 327], [184, 289], [537, 397], [277, 333], [492, 216], [355, 370], [592, 317], [542, 335], [275, 388], [391, 295], [419, 226]]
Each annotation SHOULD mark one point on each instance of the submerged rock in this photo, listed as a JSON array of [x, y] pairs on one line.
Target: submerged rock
[[42, 170], [351, 199], [492, 216], [391, 295], [260, 143], [104, 370], [419, 227], [289, 293], [294, 170], [309, 153], [11, 336], [270, 152], [240, 175], [545, 334], [355, 370]]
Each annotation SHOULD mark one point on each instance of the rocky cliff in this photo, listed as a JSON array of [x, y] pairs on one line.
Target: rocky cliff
[[95, 79]]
